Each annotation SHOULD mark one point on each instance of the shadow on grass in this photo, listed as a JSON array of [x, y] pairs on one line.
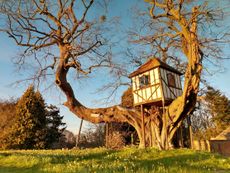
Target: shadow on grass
[[62, 158], [11, 169], [182, 162], [192, 162]]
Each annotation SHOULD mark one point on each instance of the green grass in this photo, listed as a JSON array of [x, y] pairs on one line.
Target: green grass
[[103, 160]]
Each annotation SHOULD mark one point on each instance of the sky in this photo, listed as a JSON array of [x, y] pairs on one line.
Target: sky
[[87, 95]]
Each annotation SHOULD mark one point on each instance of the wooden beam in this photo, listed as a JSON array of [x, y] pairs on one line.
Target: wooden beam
[[106, 134], [190, 131], [79, 133], [143, 125]]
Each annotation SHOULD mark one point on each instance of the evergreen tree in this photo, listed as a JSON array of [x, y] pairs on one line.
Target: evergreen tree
[[32, 125], [212, 116], [218, 106], [7, 114], [29, 130], [55, 126]]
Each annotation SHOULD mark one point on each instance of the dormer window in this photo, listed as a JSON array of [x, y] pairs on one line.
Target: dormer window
[[144, 81]]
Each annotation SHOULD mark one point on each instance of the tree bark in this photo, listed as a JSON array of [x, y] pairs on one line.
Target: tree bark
[[161, 124]]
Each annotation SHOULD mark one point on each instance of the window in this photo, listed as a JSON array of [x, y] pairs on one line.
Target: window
[[171, 80], [144, 81]]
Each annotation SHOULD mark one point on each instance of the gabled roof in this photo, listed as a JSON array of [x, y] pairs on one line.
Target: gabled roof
[[224, 135], [151, 64]]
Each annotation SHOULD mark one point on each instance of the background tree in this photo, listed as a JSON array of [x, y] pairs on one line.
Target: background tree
[[67, 140], [218, 106], [29, 123], [55, 126], [92, 136], [127, 98], [212, 115], [29, 130], [7, 114], [121, 134], [78, 40]]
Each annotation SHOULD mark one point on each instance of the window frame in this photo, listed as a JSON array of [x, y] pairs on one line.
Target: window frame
[[171, 80], [144, 81]]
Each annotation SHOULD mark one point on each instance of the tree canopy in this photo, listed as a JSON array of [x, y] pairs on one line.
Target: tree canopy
[[174, 26], [29, 129], [7, 119], [32, 124], [55, 126], [212, 114]]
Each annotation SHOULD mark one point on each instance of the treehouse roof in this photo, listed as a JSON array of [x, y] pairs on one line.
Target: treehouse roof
[[151, 64]]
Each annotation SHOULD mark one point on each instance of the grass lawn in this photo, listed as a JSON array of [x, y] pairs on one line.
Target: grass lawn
[[104, 160]]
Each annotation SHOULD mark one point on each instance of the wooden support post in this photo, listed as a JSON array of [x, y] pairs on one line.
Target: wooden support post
[[132, 140], [190, 131], [79, 134], [106, 134], [181, 137], [151, 134], [143, 125]]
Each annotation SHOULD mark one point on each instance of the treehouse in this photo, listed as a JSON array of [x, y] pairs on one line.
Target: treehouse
[[155, 82]]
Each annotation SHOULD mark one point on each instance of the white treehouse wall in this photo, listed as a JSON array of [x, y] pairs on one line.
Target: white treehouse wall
[[170, 92], [147, 93], [156, 82]]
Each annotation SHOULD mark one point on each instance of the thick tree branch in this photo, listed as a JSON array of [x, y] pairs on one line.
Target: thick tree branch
[[111, 114]]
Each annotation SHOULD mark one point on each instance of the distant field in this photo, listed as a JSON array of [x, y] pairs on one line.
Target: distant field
[[103, 160]]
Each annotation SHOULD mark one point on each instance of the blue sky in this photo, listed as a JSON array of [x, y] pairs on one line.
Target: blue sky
[[87, 94]]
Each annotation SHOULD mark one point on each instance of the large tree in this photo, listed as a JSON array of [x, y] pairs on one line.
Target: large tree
[[69, 27], [29, 129]]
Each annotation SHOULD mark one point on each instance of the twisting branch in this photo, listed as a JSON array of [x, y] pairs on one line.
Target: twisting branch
[[38, 25], [73, 37]]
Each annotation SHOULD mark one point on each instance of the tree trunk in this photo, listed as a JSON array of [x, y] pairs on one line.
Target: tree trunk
[[160, 123]]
